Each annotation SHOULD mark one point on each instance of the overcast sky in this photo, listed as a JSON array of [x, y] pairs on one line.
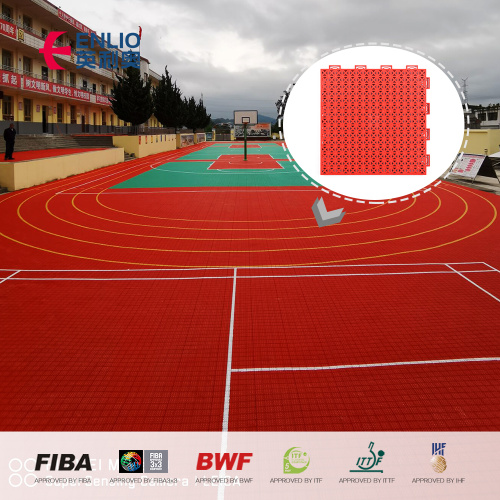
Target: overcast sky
[[242, 54]]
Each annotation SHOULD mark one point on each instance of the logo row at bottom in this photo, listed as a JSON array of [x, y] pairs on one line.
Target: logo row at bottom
[[295, 461]]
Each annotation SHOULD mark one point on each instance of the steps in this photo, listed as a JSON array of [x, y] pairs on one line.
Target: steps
[[48, 141]]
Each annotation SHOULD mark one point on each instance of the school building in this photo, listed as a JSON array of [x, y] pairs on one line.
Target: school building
[[39, 100]]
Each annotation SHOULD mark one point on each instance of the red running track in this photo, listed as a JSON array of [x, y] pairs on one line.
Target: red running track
[[386, 321]]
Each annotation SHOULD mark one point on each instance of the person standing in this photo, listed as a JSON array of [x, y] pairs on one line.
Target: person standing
[[9, 135]]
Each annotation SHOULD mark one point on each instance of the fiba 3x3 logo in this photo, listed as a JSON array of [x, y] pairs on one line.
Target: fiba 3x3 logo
[[138, 461]]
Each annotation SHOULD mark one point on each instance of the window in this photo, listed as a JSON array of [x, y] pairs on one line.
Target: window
[[45, 73], [7, 107], [103, 89], [104, 117], [482, 116], [27, 23], [94, 88], [84, 84], [28, 105], [72, 79], [73, 114], [27, 65], [7, 12], [493, 115], [44, 33], [60, 76], [7, 59], [112, 119], [60, 112]]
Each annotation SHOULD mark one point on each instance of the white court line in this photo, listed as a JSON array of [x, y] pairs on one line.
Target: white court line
[[173, 191], [493, 268], [138, 165], [368, 365], [241, 267], [9, 277], [257, 276], [475, 284], [227, 393], [244, 172], [225, 418]]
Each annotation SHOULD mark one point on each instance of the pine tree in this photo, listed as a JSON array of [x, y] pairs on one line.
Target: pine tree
[[201, 113], [167, 102], [131, 98], [196, 114], [191, 121]]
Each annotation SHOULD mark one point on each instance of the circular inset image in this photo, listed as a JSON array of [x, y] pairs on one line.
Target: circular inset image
[[374, 122]]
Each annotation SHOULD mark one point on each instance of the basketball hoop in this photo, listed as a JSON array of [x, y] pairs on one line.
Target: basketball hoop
[[245, 118]]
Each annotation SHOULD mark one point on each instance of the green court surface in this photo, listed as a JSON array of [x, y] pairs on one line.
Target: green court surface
[[191, 173], [213, 152]]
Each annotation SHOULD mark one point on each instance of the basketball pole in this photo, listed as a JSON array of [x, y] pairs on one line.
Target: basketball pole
[[245, 139]]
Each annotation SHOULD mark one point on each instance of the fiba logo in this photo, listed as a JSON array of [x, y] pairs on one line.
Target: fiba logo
[[438, 462], [131, 462]]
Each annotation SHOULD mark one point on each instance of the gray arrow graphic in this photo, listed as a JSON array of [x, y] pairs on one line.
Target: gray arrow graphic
[[323, 216]]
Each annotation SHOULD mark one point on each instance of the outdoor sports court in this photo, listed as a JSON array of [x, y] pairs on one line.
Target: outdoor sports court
[[193, 291]]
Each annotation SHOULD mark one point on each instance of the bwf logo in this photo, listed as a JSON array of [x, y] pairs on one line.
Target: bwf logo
[[222, 460]]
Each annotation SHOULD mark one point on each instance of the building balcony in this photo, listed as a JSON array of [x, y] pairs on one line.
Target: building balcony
[[26, 80]]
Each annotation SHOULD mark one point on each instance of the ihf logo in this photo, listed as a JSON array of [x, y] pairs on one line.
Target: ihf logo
[[438, 462]]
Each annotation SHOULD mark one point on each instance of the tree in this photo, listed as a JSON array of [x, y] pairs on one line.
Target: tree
[[196, 114], [281, 103], [131, 98], [204, 119], [168, 106], [280, 109]]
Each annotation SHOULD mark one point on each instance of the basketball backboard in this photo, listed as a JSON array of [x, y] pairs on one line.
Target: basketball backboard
[[245, 116]]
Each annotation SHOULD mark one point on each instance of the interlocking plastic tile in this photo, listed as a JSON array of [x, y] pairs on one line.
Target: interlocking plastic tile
[[373, 121]]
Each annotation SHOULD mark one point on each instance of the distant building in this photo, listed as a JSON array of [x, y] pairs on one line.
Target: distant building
[[484, 117]]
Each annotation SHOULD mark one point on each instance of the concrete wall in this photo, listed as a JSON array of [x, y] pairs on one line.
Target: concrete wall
[[21, 175], [480, 140], [145, 145]]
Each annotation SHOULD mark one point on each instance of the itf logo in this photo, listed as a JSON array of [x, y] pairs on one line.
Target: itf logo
[[48, 50], [295, 461], [438, 462], [366, 464]]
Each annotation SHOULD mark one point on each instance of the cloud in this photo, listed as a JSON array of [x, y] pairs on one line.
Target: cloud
[[243, 53]]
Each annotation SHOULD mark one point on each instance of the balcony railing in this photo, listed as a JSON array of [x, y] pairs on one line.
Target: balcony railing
[[52, 80]]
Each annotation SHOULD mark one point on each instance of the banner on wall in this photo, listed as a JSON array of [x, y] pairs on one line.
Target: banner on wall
[[187, 140], [257, 130]]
